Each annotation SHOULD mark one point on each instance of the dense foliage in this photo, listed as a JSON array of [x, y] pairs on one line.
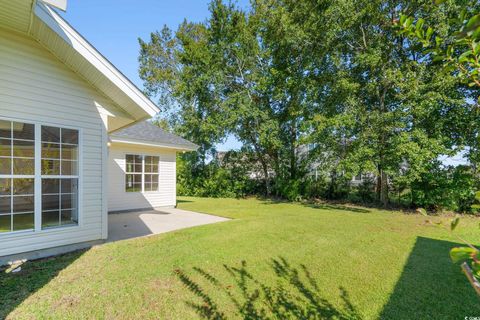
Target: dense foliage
[[335, 75]]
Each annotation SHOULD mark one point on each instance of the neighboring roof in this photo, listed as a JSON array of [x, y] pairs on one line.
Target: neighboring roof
[[145, 133], [38, 20]]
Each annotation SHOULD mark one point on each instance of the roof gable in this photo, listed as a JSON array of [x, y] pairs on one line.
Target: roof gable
[[38, 20]]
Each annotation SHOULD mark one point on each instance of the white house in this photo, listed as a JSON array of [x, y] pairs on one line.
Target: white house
[[74, 143]]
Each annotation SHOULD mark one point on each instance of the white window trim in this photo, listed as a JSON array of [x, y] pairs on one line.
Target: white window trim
[[143, 155], [38, 180]]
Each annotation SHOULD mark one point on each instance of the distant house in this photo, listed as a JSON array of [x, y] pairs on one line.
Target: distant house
[[316, 168], [74, 143]]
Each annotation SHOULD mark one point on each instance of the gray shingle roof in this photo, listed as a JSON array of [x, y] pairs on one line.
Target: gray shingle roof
[[147, 132]]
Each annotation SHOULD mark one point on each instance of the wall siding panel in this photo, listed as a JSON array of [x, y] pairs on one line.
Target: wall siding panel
[[35, 86], [119, 199]]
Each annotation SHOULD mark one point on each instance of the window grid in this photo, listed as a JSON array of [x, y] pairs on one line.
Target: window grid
[[72, 210], [21, 175], [149, 168], [20, 208], [60, 194]]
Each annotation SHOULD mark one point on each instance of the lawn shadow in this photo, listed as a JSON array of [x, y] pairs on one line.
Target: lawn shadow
[[326, 206], [314, 205], [183, 201], [295, 295], [431, 286], [17, 287]]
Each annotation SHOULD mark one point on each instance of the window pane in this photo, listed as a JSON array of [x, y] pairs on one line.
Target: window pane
[[50, 202], [23, 166], [23, 148], [5, 223], [50, 151], [67, 201], [23, 203], [5, 147], [133, 183], [50, 219], [51, 167], [23, 131], [69, 152], [151, 164], [69, 168], [5, 129], [148, 178], [69, 136], [151, 182], [133, 163], [5, 166], [5, 186], [50, 186], [148, 167], [23, 221], [50, 134], [69, 217], [23, 186], [69, 185], [5, 204]]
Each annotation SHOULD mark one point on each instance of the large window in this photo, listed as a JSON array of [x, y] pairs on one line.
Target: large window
[[141, 173], [57, 170]]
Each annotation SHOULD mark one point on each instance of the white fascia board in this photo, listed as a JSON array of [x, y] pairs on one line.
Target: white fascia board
[[151, 144], [60, 4], [85, 49]]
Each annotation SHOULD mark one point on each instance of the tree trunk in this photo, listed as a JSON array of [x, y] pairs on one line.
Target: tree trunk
[[293, 153], [267, 178], [382, 182], [382, 187]]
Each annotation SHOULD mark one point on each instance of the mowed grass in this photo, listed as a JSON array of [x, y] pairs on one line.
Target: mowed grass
[[272, 260]]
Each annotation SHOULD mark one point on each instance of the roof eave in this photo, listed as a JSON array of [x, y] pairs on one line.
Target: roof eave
[[153, 144], [81, 46]]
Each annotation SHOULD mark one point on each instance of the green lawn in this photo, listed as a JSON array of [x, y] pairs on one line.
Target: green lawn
[[273, 260]]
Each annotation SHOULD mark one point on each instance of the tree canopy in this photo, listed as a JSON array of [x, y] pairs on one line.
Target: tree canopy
[[333, 74]]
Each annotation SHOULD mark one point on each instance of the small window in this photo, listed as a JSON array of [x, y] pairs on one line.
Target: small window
[[142, 173]]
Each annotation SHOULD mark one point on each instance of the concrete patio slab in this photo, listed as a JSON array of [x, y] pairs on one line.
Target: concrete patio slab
[[135, 224]]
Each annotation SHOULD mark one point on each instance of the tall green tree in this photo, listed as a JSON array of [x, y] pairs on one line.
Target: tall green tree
[[377, 104], [455, 46], [285, 73]]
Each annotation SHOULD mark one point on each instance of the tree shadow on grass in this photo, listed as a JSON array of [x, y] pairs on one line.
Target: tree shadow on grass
[[295, 295], [326, 206], [183, 201], [431, 286], [17, 287], [315, 205]]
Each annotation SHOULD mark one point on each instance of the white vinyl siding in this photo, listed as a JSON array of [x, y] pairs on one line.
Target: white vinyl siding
[[119, 199], [36, 87]]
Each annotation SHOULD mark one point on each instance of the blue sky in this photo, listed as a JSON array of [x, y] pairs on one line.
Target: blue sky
[[114, 27]]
